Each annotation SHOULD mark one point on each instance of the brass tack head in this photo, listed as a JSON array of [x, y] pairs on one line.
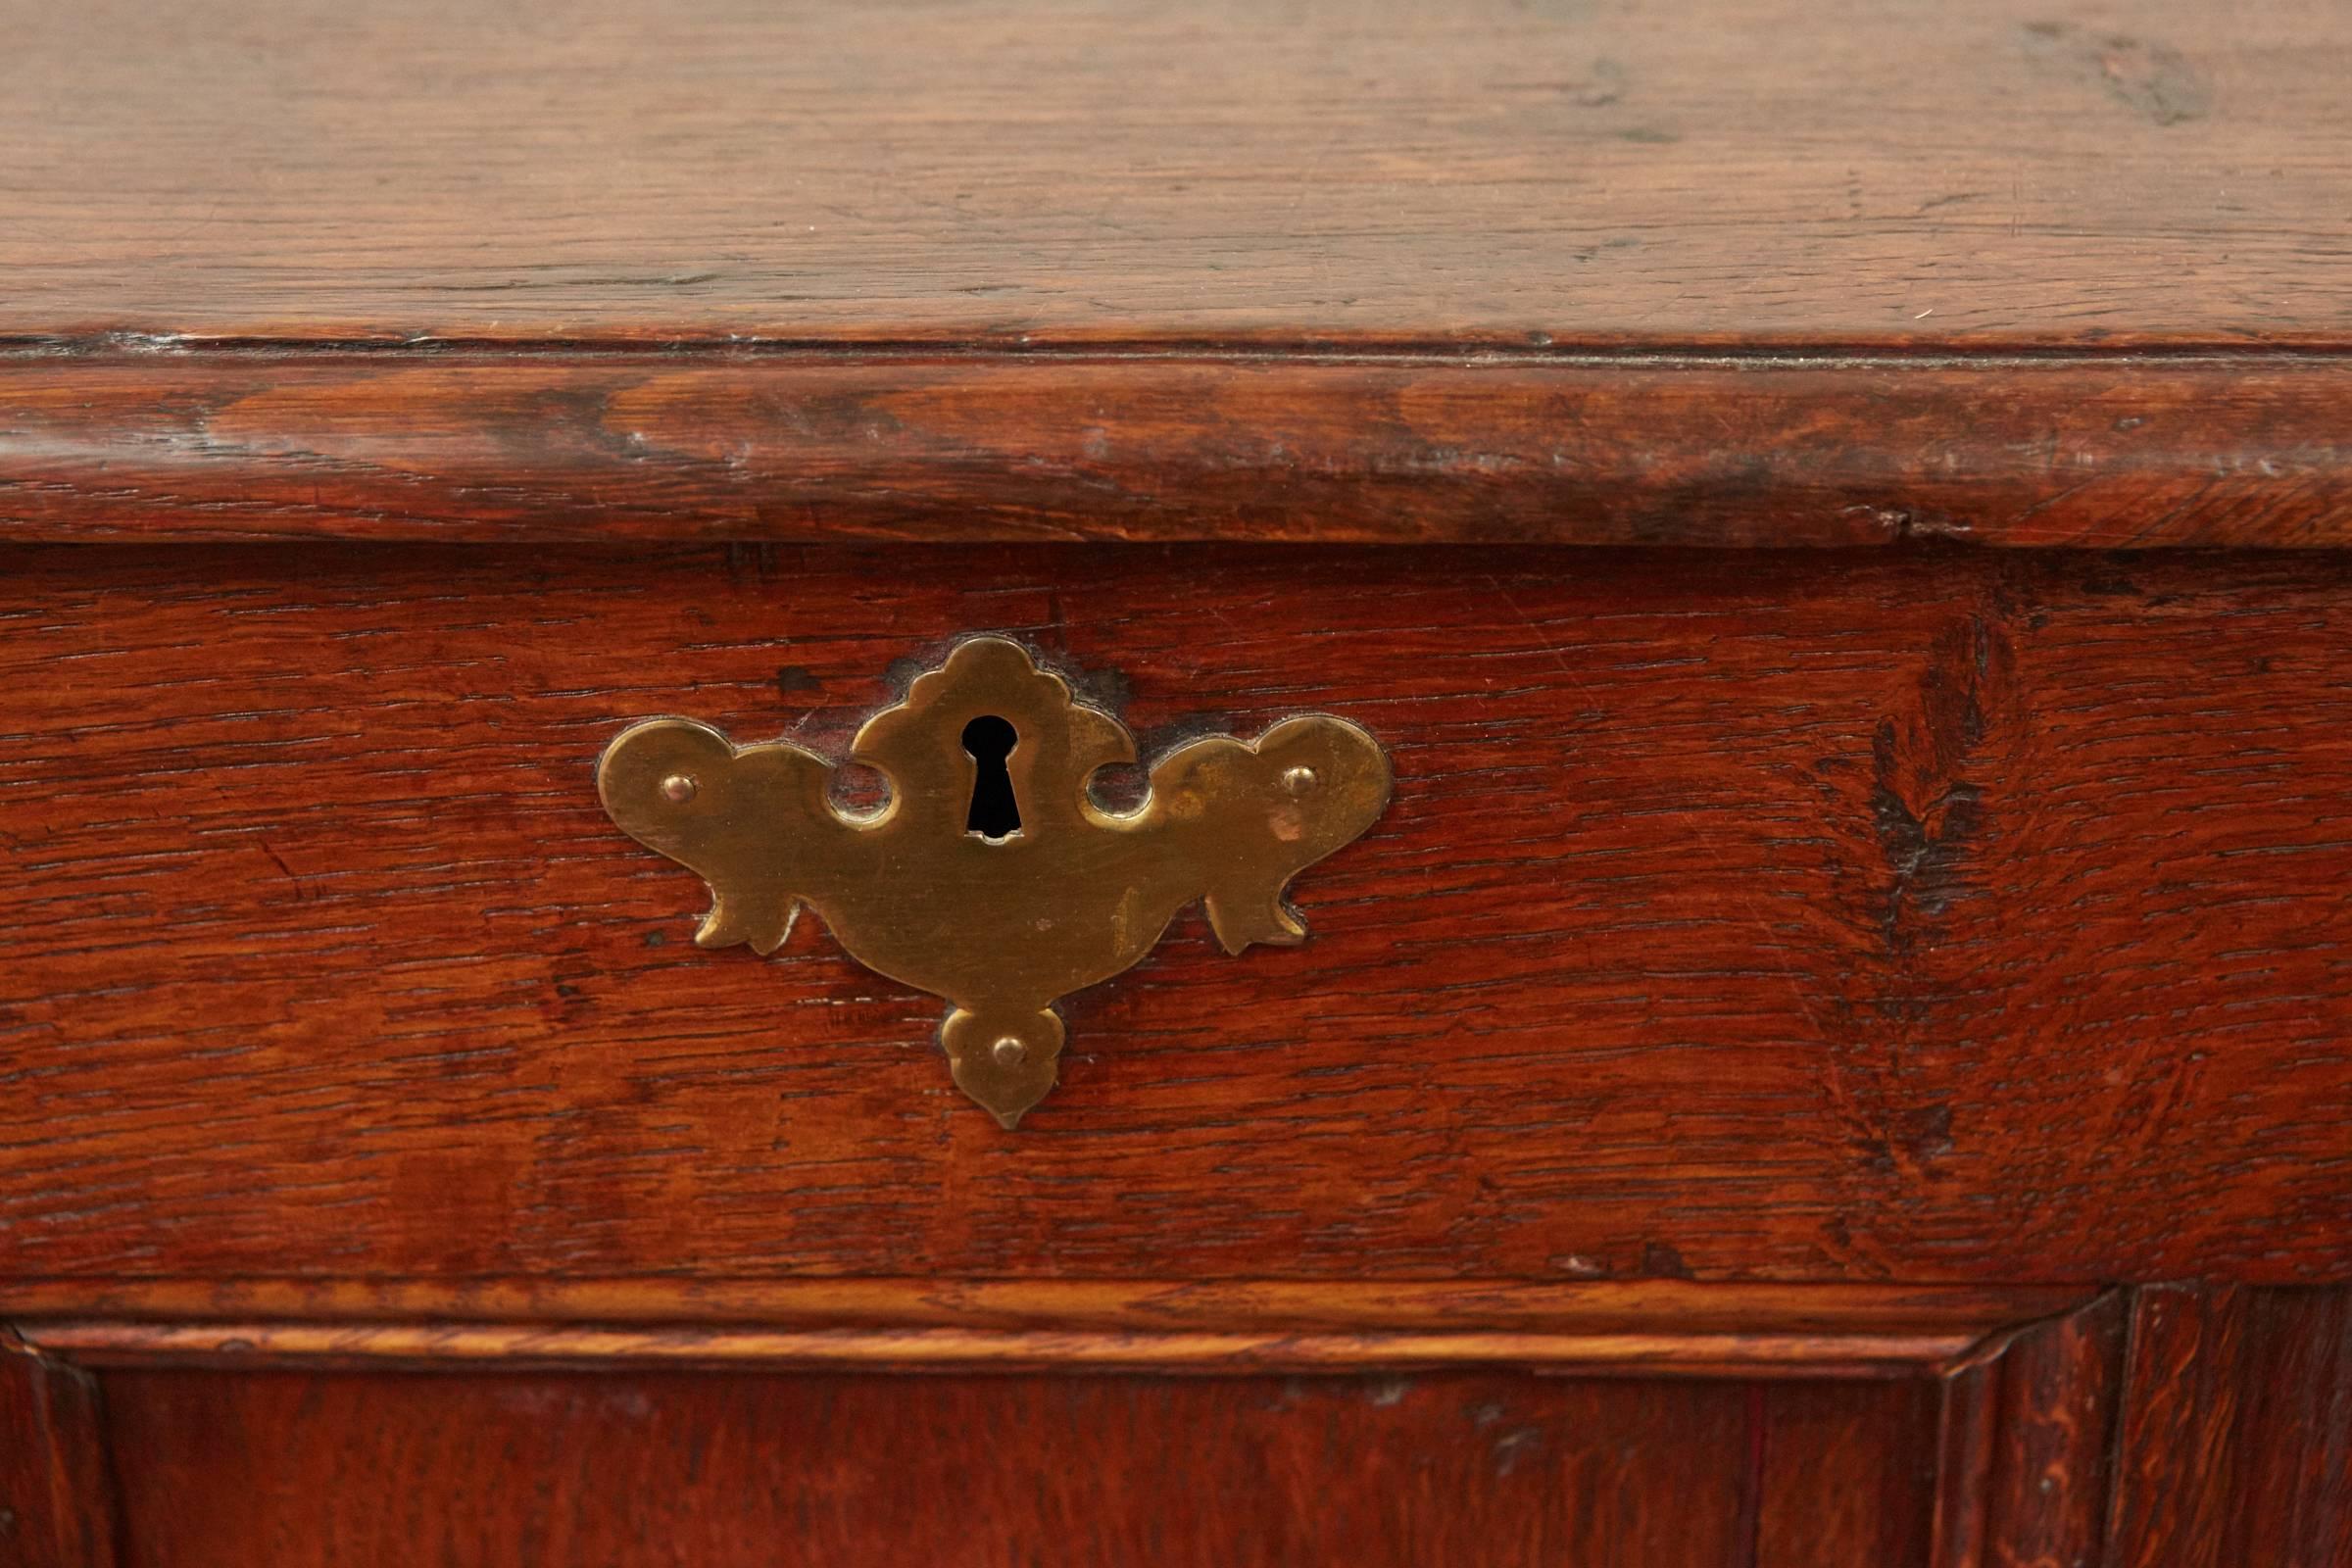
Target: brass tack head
[[679, 788], [1009, 1052], [1299, 780]]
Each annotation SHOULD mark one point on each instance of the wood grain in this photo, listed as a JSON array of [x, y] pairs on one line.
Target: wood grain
[[1939, 917], [1645, 1327], [1261, 1306], [655, 1469], [1772, 959], [1657, 1350], [56, 1501], [1749, 170], [2025, 1445], [2237, 1443], [1690, 449], [2059, 1387]]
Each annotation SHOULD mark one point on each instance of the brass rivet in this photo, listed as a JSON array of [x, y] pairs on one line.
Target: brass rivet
[[1009, 1052], [678, 788], [1299, 780]]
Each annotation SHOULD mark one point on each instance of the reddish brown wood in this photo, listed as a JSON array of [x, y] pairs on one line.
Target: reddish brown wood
[[2045, 1498], [1686, 450], [56, 1502], [1411, 1467], [1775, 171], [1494, 275], [1966, 1438], [1833, 1489], [1951, 1319], [641, 1469], [1939, 917], [1751, 932], [2024, 1446], [2237, 1437], [1660, 1327], [1658, 1350]]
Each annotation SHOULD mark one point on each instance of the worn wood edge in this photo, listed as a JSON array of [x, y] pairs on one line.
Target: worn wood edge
[[101, 1344], [2024, 1442], [1964, 1451], [1605, 1306], [683, 337], [1671, 446], [1649, 1326]]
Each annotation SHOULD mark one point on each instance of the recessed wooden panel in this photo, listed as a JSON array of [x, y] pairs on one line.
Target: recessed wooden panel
[[970, 1472], [1935, 917]]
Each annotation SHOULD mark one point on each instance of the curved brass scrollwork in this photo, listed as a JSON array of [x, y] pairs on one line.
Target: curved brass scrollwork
[[1000, 924]]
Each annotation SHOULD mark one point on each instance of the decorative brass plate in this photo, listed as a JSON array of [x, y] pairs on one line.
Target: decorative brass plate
[[942, 890]]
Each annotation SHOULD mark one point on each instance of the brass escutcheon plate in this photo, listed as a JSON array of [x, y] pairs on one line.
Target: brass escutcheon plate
[[939, 890]]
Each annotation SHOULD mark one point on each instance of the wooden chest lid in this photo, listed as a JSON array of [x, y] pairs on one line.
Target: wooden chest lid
[[1740, 272]]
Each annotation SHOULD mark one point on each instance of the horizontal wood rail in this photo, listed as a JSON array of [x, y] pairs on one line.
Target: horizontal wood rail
[[1660, 443], [1649, 1326]]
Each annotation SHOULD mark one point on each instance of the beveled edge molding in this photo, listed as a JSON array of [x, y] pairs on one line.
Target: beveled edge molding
[[2030, 1410], [1826, 448], [2026, 1438], [270, 1343], [1643, 1327]]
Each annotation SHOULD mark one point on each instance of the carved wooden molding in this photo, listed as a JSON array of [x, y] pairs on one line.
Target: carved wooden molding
[[1655, 443], [2030, 1410], [1655, 1327]]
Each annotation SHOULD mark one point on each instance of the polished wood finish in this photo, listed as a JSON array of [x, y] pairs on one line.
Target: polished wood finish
[[1826, 903], [2027, 1443], [2173, 1424], [1836, 1057], [1661, 1327], [1945, 1321], [972, 1471], [56, 1493], [1829, 170], [2117, 450], [2237, 1446], [2012, 1455]]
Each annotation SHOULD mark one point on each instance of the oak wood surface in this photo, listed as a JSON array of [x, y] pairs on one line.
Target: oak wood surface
[[638, 1469], [1662, 1349], [1645, 1327], [2047, 1442], [1660, 1327], [2036, 171], [1950, 1313], [1751, 273], [2178, 1425], [2239, 1443], [1690, 448], [1769, 963], [1941, 917], [56, 1495], [2025, 1443]]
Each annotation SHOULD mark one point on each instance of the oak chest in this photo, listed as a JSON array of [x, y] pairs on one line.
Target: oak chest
[[1039, 782]]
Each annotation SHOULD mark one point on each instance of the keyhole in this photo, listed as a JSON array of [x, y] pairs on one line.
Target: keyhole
[[995, 814]]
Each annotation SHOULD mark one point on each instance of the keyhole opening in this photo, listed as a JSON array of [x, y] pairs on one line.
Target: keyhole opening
[[995, 814]]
